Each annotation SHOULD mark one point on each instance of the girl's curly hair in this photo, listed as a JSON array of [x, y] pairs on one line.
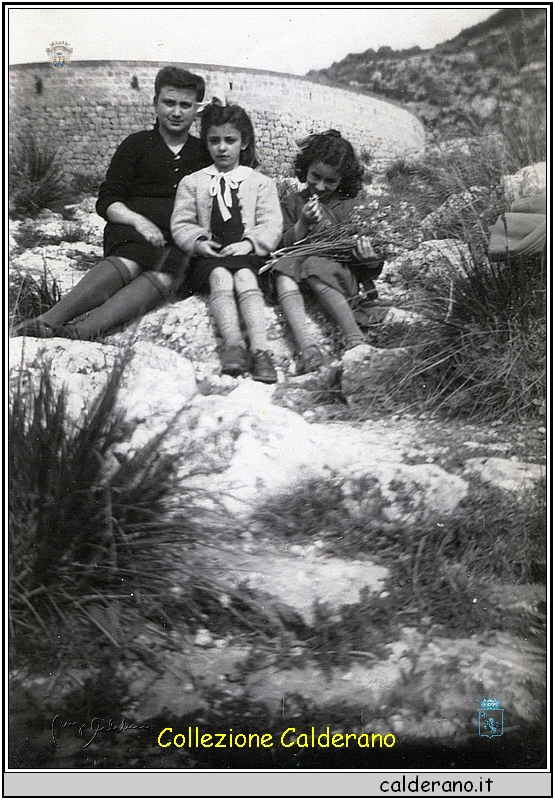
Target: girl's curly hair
[[332, 149], [215, 115]]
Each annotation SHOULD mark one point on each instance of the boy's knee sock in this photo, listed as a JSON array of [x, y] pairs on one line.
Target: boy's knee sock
[[339, 310], [95, 287], [141, 295], [251, 303], [224, 310], [292, 303]]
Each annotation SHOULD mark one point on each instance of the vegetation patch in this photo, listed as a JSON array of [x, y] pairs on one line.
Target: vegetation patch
[[29, 298], [441, 570], [94, 533], [35, 177]]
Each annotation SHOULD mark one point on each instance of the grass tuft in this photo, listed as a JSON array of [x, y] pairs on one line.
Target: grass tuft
[[100, 540], [35, 177], [485, 355], [29, 298]]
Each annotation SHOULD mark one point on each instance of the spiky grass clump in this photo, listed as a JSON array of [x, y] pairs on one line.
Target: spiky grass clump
[[100, 541], [485, 355], [29, 298], [455, 193], [36, 178], [85, 185], [473, 376], [525, 135], [448, 170]]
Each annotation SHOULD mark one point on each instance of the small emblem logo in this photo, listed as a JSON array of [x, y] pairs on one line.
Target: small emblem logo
[[490, 717], [59, 54]]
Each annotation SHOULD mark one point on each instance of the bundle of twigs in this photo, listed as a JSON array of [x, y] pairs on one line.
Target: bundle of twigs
[[334, 240]]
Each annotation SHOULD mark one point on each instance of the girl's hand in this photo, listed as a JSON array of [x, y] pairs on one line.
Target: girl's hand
[[364, 250], [242, 248], [207, 249], [311, 212], [150, 231]]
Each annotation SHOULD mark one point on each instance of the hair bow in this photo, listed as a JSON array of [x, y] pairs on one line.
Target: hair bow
[[218, 99]]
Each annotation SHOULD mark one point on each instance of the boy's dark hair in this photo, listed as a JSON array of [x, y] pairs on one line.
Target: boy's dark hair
[[215, 114], [332, 149], [180, 79]]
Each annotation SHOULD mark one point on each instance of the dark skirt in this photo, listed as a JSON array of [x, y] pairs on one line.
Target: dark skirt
[[126, 242], [201, 268], [332, 273]]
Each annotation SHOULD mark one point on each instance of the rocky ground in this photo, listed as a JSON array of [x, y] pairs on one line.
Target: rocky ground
[[417, 679]]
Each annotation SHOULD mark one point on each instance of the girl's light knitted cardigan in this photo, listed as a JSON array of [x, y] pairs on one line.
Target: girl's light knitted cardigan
[[258, 200]]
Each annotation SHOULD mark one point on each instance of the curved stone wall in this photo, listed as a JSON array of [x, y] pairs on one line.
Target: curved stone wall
[[90, 107]]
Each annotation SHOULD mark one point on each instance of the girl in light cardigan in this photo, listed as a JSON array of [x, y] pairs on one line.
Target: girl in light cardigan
[[228, 218]]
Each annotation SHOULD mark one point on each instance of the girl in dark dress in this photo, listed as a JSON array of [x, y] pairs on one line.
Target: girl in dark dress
[[328, 165], [141, 265]]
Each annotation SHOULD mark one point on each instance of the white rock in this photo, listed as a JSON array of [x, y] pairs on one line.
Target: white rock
[[357, 354], [366, 369], [156, 385], [203, 638], [398, 316], [513, 476], [422, 486], [432, 261], [333, 581], [50, 261], [527, 182]]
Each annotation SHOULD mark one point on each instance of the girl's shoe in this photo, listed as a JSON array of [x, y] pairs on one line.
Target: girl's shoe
[[262, 368], [353, 341], [310, 359], [36, 328], [235, 360]]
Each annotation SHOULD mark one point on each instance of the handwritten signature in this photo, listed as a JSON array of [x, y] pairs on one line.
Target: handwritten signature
[[96, 725]]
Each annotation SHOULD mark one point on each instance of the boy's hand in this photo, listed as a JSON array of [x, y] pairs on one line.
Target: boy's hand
[[242, 248], [364, 250], [150, 231], [207, 249]]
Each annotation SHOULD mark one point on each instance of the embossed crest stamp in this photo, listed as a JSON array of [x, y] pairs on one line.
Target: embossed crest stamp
[[59, 54], [490, 717]]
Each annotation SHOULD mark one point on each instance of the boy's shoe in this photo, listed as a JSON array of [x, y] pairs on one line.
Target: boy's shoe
[[262, 368], [36, 328], [68, 331], [235, 360], [310, 359]]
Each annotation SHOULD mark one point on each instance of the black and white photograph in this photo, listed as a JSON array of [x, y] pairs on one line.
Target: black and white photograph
[[277, 334]]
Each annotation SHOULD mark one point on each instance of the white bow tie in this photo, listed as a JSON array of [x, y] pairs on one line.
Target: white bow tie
[[231, 181]]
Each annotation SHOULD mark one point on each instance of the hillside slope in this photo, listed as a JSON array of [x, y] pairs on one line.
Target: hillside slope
[[465, 85]]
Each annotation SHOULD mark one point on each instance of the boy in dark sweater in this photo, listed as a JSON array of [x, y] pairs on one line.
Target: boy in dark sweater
[[141, 265]]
